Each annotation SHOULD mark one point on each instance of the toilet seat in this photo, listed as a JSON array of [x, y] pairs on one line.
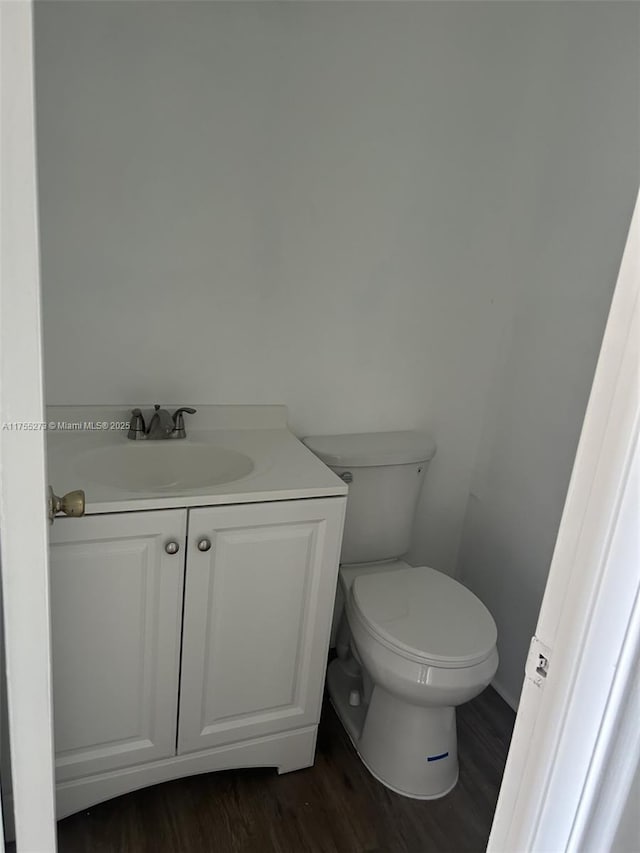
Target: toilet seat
[[425, 616]]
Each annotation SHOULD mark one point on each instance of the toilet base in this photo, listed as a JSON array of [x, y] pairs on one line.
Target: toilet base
[[410, 749]]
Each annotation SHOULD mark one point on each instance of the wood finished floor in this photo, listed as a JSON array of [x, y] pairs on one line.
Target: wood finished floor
[[333, 807]]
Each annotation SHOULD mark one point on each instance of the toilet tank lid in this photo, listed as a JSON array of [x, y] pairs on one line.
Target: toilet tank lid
[[369, 449]]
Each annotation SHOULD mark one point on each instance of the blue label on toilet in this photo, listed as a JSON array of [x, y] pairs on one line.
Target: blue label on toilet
[[437, 757]]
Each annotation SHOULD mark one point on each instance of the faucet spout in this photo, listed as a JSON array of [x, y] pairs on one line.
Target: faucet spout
[[161, 424]]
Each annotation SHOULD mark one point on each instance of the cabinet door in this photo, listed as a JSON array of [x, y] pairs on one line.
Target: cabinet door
[[258, 608], [116, 603]]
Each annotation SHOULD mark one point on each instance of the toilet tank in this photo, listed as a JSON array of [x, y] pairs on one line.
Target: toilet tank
[[385, 471]]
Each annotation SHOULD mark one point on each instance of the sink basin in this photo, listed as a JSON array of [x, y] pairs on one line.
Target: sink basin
[[162, 466]]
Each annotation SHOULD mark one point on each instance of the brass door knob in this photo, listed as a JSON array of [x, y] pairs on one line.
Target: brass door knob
[[71, 504]]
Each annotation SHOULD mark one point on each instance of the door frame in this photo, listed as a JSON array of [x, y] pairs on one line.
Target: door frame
[[565, 749], [23, 518]]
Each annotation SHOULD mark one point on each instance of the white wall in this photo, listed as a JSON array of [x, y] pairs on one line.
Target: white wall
[[580, 187], [326, 205]]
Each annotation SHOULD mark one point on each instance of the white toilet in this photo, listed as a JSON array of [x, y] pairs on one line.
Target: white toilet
[[412, 643]]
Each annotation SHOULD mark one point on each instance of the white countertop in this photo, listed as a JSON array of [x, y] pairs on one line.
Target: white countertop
[[284, 469]]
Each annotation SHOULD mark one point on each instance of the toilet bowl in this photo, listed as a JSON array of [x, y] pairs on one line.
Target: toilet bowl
[[420, 644], [412, 643]]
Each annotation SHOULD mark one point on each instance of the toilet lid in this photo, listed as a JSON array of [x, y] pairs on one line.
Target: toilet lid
[[426, 614]]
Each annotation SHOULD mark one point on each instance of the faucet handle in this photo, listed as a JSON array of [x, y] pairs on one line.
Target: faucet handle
[[178, 420], [137, 426]]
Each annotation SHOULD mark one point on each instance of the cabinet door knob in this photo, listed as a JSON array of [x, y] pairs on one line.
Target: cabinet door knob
[[204, 544], [172, 547]]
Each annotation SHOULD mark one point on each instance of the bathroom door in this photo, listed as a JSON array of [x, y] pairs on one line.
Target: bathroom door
[[576, 742], [23, 521]]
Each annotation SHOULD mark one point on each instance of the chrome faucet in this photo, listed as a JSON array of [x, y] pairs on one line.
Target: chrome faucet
[[161, 424]]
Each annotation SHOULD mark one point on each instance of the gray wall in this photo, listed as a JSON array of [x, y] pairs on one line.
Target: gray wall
[[581, 189], [383, 215], [627, 837]]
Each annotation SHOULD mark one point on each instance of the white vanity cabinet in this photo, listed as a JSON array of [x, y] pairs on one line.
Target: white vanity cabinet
[[257, 612], [146, 689], [116, 612]]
